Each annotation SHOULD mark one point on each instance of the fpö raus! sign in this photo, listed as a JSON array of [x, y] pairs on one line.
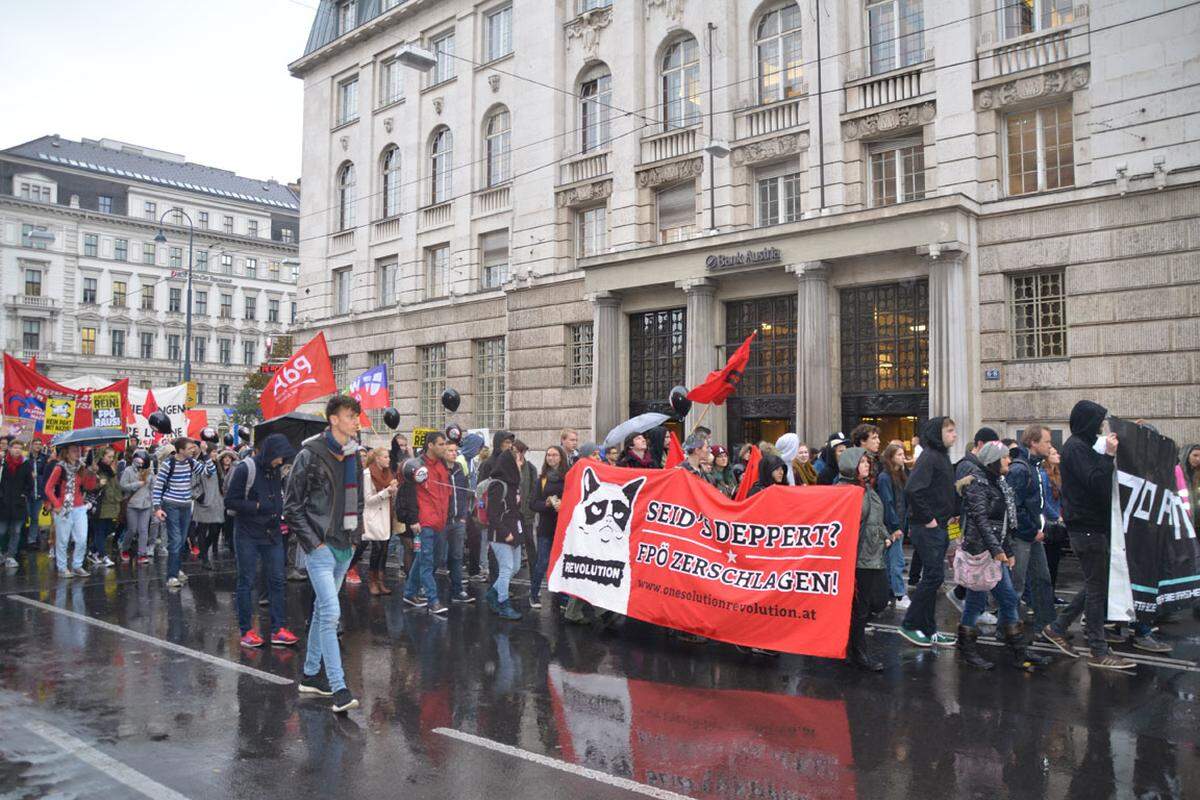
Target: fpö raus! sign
[[743, 258]]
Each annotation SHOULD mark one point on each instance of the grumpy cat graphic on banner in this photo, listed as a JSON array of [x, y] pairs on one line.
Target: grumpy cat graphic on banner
[[596, 551]]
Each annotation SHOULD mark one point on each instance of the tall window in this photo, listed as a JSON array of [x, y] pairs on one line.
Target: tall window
[[897, 171], [222, 394], [251, 267], [778, 195], [202, 222], [87, 341], [498, 133], [347, 99], [147, 296], [341, 291], [251, 303], [391, 87], [287, 235], [89, 291], [897, 34], [489, 383], [91, 244], [227, 223], [681, 84], [146, 348], [292, 313], [390, 193], [225, 351], [1039, 315], [175, 300], [226, 306], [104, 204], [31, 334], [248, 352], [498, 33], [199, 393], [173, 347], [273, 270], [431, 366], [657, 357], [202, 261], [272, 310], [27, 239], [591, 231], [149, 253], [345, 209], [780, 67], [443, 46], [388, 359], [176, 215], [1041, 149], [341, 370], [494, 249], [200, 345], [150, 210], [677, 212], [885, 338], [176, 257], [117, 343], [1028, 16], [595, 101], [347, 15], [385, 275], [441, 156], [121, 249], [579, 354], [33, 282], [226, 263], [119, 293], [437, 271], [252, 228], [201, 304]]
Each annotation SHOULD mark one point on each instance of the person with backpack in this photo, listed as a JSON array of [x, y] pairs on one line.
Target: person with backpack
[[426, 506], [255, 498], [65, 489], [16, 486], [137, 481], [173, 498], [462, 506], [503, 504]]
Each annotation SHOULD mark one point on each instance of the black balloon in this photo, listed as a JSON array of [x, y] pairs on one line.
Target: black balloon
[[161, 423], [209, 434], [391, 418], [244, 434], [450, 400], [679, 401], [228, 440], [415, 471]]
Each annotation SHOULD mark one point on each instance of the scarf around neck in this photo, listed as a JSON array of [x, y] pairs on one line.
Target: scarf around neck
[[69, 473], [349, 479]]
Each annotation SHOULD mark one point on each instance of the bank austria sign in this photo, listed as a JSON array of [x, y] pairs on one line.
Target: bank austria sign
[[743, 258]]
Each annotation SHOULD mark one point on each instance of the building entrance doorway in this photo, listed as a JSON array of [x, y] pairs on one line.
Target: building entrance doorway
[[764, 407]]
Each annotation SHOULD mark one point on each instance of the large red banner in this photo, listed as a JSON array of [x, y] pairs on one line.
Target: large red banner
[[775, 571], [55, 408], [307, 375]]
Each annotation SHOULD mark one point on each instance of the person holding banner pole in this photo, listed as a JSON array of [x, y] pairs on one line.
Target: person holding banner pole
[[870, 581]]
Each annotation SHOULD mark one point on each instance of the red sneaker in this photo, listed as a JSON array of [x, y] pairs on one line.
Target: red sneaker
[[353, 578], [195, 550], [252, 639], [284, 636], [125, 557]]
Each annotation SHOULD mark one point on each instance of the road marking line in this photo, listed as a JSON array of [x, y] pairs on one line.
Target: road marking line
[[122, 773], [563, 766], [175, 648]]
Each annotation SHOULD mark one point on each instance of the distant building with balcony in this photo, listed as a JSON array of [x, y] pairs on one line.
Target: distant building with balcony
[[986, 210], [103, 298]]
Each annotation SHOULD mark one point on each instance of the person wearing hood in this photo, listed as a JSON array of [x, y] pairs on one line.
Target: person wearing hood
[[968, 466], [136, 482], [722, 475], [1087, 507], [398, 453], [989, 521], [931, 505], [255, 498], [591, 451], [827, 473], [771, 472], [870, 582], [503, 498], [637, 453], [501, 441], [787, 446]]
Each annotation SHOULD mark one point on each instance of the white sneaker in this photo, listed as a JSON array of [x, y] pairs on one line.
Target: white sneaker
[[954, 601], [182, 577], [108, 562], [11, 563], [93, 559], [174, 583], [987, 618], [902, 603]]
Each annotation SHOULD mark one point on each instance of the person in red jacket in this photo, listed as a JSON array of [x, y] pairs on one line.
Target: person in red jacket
[[432, 500], [65, 493]]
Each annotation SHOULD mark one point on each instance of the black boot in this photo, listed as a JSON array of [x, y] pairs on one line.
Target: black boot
[[1014, 637], [856, 649], [968, 648]]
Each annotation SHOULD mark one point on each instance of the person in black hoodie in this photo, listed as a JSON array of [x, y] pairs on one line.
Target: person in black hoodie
[[501, 441], [1087, 505], [932, 503], [771, 472], [504, 529], [548, 492]]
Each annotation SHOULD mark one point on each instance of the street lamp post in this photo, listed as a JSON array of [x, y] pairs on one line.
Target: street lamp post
[[187, 331]]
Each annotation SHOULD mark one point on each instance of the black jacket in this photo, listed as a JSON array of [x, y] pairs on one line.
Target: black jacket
[[314, 499], [930, 488], [41, 471], [498, 438], [1027, 493], [462, 499], [15, 489], [765, 467], [504, 500], [555, 483], [260, 509], [987, 500], [1086, 474]]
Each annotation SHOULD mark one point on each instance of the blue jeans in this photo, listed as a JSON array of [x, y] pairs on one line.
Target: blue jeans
[[508, 558], [450, 553], [34, 511], [179, 519], [98, 534], [421, 574], [325, 573], [1032, 574], [893, 560], [249, 550], [70, 527], [1006, 598], [931, 544], [538, 573], [13, 528]]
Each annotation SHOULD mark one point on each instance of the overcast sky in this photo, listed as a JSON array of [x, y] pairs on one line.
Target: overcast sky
[[207, 79]]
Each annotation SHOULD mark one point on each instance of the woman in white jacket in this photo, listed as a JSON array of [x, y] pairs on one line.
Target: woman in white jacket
[[379, 489]]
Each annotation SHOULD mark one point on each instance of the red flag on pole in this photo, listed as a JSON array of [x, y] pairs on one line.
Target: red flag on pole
[[750, 476], [675, 455], [197, 420], [307, 375], [151, 405], [722, 383]]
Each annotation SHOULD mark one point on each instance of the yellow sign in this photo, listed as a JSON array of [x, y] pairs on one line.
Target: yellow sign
[[190, 402], [419, 434], [60, 415], [106, 410]]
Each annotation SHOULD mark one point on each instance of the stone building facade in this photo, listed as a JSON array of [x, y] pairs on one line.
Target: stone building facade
[[974, 208]]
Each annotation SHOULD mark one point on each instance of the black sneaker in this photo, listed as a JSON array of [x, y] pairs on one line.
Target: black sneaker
[[316, 684], [343, 701], [437, 608]]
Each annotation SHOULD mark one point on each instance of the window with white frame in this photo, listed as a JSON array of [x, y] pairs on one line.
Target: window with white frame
[[202, 261], [91, 245], [272, 310], [676, 212], [146, 349], [149, 253], [202, 222], [249, 351], [441, 158], [150, 210], [347, 97], [31, 335], [595, 102], [147, 295], [251, 267], [116, 343], [680, 80], [200, 306], [104, 204], [1038, 314], [90, 287], [431, 382], [437, 271], [345, 197], [341, 291], [175, 257], [777, 191], [347, 16], [222, 394], [579, 354], [385, 276], [227, 223], [287, 235], [1040, 149], [591, 231], [251, 307], [33, 282], [897, 172], [173, 347], [120, 293], [1029, 16], [391, 84], [498, 136], [226, 263], [389, 193], [443, 48], [897, 30], [494, 249], [175, 300], [225, 351], [176, 215], [87, 340], [121, 249], [497, 29], [252, 228], [199, 355], [35, 192], [489, 382], [777, 43]]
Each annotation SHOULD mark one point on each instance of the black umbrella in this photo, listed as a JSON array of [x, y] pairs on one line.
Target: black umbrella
[[295, 426]]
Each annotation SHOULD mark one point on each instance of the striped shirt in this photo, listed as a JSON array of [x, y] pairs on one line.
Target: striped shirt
[[174, 483]]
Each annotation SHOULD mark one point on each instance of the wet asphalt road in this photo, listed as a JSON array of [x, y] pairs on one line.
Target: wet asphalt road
[[469, 707]]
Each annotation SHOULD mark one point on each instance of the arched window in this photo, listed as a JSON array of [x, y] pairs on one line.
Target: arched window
[[390, 167], [595, 100], [777, 42], [441, 154], [681, 84], [498, 133], [345, 183]]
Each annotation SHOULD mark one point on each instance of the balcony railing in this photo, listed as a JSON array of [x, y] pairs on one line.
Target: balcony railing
[[489, 201], [436, 216], [33, 301], [342, 241], [385, 230], [890, 87], [583, 167], [669, 144], [1029, 53], [762, 120]]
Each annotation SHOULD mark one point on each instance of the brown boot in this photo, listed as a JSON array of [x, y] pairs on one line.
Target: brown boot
[[373, 583], [381, 575]]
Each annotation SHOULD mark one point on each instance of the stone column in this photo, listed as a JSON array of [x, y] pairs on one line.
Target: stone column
[[953, 337], [702, 342], [815, 415], [606, 363]]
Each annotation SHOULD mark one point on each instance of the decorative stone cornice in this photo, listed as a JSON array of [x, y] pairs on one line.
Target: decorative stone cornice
[[768, 149], [674, 172], [893, 119], [584, 194], [586, 28], [1033, 87], [672, 8]]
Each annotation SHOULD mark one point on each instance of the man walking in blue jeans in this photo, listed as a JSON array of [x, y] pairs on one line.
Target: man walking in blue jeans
[[932, 503], [425, 506], [462, 503], [172, 498], [322, 506]]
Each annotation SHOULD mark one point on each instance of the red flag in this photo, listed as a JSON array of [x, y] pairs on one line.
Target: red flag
[[364, 421], [33, 362], [722, 383], [151, 405], [750, 476], [307, 375], [197, 420], [675, 455]]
